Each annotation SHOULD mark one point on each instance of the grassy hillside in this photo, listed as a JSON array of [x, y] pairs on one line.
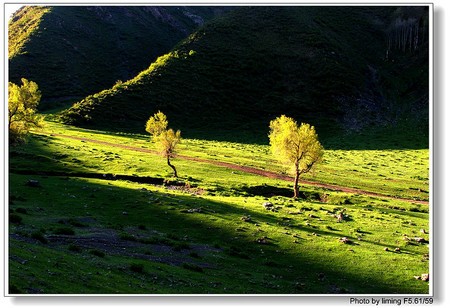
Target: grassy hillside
[[327, 66], [74, 51]]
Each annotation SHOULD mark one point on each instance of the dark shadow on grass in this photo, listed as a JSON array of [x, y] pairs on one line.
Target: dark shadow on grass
[[165, 216], [101, 176], [267, 191], [273, 191]]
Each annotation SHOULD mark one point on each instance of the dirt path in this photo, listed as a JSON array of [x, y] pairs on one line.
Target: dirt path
[[246, 169]]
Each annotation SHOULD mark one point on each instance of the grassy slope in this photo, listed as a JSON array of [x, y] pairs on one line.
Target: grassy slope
[[74, 51], [213, 251], [240, 71], [393, 172], [22, 26]]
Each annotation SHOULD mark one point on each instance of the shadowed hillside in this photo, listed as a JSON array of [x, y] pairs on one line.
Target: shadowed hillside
[[74, 51], [335, 67]]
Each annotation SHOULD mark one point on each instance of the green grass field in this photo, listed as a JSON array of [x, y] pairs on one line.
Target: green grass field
[[90, 217]]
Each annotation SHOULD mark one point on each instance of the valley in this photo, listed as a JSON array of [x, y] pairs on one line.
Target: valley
[[93, 207]]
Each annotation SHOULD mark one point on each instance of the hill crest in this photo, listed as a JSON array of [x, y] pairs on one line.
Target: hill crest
[[73, 51]]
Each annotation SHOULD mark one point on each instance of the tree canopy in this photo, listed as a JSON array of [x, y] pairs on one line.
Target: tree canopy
[[294, 145], [22, 106], [166, 139], [156, 124]]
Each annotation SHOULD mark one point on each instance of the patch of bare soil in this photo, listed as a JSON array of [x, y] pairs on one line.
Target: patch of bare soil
[[109, 242]]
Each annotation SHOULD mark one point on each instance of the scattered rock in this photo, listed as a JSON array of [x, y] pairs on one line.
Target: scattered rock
[[338, 290], [386, 249], [423, 231], [313, 216], [195, 210], [299, 285], [246, 218], [340, 216], [267, 205], [263, 240], [420, 240], [199, 210], [18, 259], [345, 240], [397, 249], [423, 277], [33, 183]]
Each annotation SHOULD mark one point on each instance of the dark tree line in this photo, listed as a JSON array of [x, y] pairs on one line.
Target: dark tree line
[[409, 30]]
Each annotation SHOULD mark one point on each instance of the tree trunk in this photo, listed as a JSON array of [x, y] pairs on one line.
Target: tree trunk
[[173, 167], [296, 191]]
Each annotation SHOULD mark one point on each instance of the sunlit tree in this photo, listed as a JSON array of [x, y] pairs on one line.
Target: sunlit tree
[[166, 140], [22, 106], [295, 146], [156, 124]]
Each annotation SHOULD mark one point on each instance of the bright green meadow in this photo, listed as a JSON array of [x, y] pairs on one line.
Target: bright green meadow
[[95, 218]]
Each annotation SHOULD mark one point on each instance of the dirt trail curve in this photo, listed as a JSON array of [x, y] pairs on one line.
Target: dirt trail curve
[[269, 174]]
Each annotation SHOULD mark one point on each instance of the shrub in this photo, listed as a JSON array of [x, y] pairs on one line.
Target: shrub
[[76, 223], [127, 237], [21, 210], [236, 252], [15, 219], [97, 253], [157, 240], [74, 248], [180, 246], [192, 267], [37, 235], [270, 264], [137, 267], [64, 231], [14, 290], [194, 255]]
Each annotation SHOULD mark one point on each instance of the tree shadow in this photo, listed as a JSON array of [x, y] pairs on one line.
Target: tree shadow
[[276, 191]]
